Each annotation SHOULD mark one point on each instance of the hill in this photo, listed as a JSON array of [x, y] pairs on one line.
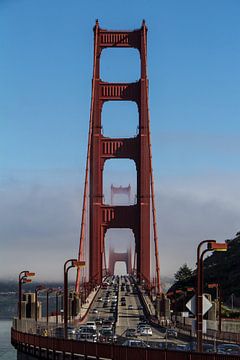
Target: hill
[[222, 268]]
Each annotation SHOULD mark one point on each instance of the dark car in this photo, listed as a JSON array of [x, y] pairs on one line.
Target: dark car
[[112, 319], [228, 349], [170, 333], [107, 323], [107, 335], [131, 332], [98, 321]]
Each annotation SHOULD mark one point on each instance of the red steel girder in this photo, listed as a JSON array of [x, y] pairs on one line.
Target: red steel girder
[[103, 217]]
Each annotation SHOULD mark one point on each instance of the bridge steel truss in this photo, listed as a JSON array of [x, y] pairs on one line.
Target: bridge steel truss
[[100, 148]]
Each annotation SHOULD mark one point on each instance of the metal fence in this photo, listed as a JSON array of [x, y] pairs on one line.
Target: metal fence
[[52, 348]]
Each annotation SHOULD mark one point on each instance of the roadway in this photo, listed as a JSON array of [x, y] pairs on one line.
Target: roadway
[[128, 315]]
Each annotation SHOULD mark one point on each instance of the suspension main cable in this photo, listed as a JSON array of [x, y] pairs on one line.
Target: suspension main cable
[[86, 182], [155, 230]]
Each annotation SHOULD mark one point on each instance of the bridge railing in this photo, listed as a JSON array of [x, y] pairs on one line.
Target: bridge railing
[[30, 326], [46, 347]]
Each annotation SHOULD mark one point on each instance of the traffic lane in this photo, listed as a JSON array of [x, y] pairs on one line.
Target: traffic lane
[[127, 318], [130, 319], [98, 305], [103, 312]]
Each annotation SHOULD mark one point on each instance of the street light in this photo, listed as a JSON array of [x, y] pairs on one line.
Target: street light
[[48, 292], [68, 265], [37, 289], [212, 245], [22, 279], [58, 292], [219, 298]]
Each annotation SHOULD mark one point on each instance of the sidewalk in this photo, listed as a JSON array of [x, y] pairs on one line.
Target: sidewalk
[[148, 302], [85, 307]]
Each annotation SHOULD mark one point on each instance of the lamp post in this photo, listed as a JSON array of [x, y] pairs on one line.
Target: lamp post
[[212, 245], [68, 265], [219, 299], [58, 292], [22, 279], [37, 289], [48, 292]]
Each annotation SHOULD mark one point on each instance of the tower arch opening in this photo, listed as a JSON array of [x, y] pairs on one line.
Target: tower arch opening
[[120, 119], [119, 182], [120, 65]]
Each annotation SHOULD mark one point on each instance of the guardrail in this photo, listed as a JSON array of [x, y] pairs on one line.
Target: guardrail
[[186, 330], [52, 348]]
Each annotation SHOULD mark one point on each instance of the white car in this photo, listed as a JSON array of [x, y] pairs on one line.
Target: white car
[[146, 331]]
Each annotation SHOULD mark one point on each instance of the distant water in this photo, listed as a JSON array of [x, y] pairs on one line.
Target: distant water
[[7, 351]]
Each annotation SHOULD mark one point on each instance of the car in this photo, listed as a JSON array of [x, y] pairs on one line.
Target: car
[[145, 330], [107, 324], [182, 347], [87, 334], [71, 332], [131, 332], [141, 324], [229, 349], [112, 319], [100, 299], [123, 303], [105, 304], [107, 335], [140, 307], [98, 321], [91, 325], [135, 343], [170, 333], [166, 345], [87, 337], [130, 307], [142, 318], [123, 298]]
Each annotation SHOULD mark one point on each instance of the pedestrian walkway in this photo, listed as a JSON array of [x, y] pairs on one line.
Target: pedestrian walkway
[[85, 307]]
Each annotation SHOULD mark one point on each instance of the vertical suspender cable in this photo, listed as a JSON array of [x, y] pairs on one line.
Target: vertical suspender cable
[[86, 185], [155, 230], [104, 260]]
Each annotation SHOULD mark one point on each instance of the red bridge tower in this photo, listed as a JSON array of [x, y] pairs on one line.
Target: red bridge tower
[[100, 148]]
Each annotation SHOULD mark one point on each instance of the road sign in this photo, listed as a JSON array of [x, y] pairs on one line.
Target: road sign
[[191, 305], [194, 326]]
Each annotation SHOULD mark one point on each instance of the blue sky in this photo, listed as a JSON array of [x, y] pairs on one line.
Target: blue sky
[[45, 70]]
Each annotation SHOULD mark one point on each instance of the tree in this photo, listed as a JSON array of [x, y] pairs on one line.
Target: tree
[[183, 273]]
